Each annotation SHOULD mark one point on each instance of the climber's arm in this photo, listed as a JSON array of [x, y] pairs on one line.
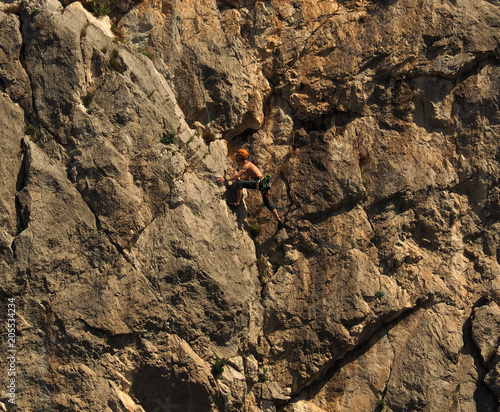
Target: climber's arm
[[235, 176]]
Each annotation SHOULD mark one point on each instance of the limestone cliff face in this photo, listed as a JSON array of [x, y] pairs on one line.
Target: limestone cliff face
[[138, 289]]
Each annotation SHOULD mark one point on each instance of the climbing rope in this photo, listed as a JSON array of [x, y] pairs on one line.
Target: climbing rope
[[203, 86]]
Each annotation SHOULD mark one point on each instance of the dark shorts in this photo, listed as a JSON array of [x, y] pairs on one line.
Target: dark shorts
[[257, 185]]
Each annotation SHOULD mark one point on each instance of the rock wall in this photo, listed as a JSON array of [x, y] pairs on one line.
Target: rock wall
[[137, 289]]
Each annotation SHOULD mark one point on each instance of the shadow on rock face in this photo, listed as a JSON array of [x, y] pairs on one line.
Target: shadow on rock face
[[161, 389], [230, 196]]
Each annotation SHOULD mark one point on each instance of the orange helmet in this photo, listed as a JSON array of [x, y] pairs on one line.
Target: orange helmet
[[242, 153]]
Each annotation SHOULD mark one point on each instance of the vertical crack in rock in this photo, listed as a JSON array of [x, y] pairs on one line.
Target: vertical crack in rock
[[22, 212], [484, 397], [363, 346]]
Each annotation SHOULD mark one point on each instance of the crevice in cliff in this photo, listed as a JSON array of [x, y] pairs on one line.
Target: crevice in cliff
[[484, 397], [31, 112], [22, 212], [29, 107], [380, 329], [281, 171], [118, 247], [346, 205], [124, 338], [382, 399]]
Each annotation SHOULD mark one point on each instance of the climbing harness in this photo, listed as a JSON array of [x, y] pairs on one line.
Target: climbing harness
[[203, 86], [265, 184]]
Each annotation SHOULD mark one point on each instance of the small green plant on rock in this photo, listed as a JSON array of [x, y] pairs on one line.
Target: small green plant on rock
[[379, 294], [131, 244], [148, 54], [87, 99], [263, 378], [381, 403], [33, 132], [30, 130], [167, 138], [117, 31], [100, 9], [255, 229], [219, 364], [37, 135], [275, 265], [190, 140]]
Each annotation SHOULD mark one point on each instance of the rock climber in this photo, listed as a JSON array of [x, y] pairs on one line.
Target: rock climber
[[256, 183]]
